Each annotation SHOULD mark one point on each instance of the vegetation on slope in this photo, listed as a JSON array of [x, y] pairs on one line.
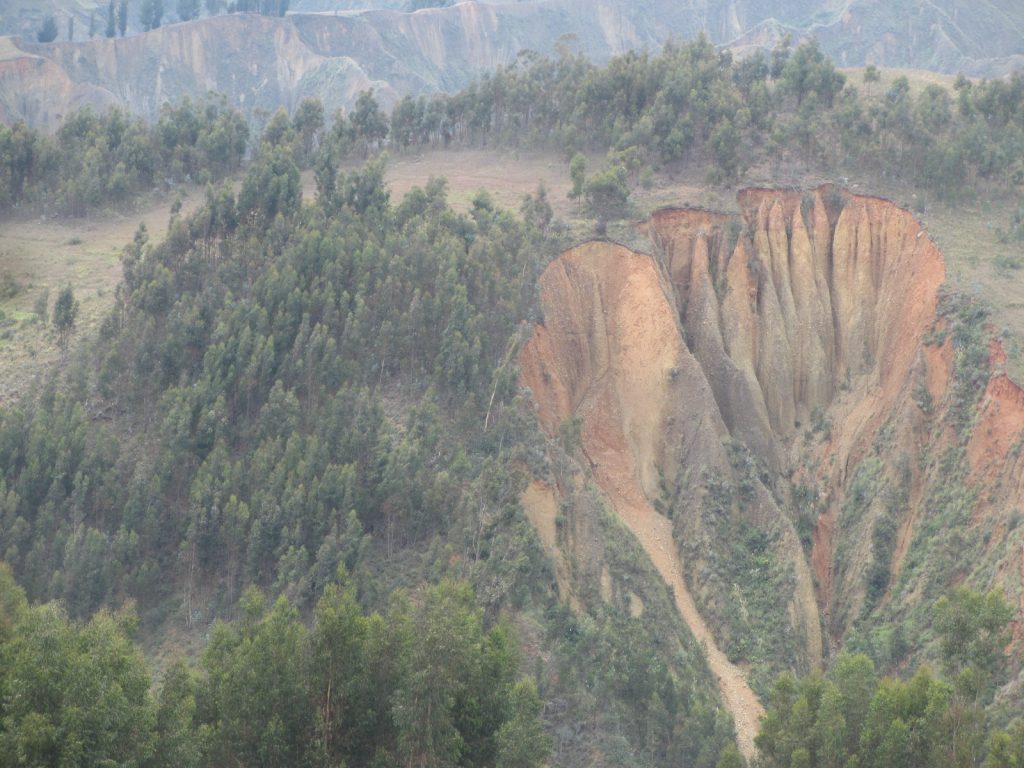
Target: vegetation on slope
[[109, 158], [423, 684], [693, 102], [851, 717], [246, 415], [285, 389], [689, 103]]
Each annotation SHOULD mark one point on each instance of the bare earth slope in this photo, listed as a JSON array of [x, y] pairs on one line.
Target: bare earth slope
[[259, 62], [696, 377], [608, 319]]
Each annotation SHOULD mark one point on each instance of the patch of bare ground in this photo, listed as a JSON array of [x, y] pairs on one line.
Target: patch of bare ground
[[654, 532], [968, 233], [46, 254], [610, 337]]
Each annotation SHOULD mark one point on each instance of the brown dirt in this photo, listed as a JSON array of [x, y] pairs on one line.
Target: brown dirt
[[606, 353], [823, 309], [654, 532], [506, 176], [540, 503], [822, 559], [541, 508], [999, 430], [939, 364]]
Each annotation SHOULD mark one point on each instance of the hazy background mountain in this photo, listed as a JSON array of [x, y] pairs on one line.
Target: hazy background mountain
[[333, 50]]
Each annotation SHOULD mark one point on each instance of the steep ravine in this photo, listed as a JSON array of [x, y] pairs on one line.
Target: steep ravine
[[611, 331], [750, 403]]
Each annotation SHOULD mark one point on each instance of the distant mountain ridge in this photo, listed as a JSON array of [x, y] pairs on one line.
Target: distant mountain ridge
[[262, 63]]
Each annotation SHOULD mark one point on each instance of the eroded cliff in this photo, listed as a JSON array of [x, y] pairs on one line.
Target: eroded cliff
[[785, 410], [263, 63]]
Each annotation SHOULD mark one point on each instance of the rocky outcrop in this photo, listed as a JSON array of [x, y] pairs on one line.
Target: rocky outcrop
[[809, 309], [783, 375]]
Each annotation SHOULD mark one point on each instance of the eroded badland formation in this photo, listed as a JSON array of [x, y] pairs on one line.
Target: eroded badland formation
[[758, 402]]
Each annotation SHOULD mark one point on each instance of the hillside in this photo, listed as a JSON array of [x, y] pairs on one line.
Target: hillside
[[353, 358], [783, 407], [262, 62], [348, 462], [779, 416]]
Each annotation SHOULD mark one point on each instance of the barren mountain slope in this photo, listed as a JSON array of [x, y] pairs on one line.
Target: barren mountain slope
[[786, 377], [263, 63]]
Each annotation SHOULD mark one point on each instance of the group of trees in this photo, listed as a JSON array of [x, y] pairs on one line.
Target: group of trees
[[117, 19], [151, 15], [688, 103], [423, 684], [97, 159], [48, 31], [285, 386], [854, 718], [693, 102]]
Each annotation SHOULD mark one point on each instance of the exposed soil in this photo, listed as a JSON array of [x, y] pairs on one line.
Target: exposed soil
[[541, 508], [505, 175], [811, 323], [607, 355], [540, 503], [654, 532], [999, 429]]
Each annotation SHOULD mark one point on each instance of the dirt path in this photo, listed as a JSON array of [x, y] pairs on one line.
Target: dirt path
[[654, 532]]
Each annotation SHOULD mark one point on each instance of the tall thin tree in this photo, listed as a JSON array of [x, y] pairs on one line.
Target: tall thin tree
[[111, 20]]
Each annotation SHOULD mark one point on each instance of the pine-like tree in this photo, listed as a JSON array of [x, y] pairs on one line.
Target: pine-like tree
[[111, 20], [188, 9], [48, 32], [65, 313], [151, 13]]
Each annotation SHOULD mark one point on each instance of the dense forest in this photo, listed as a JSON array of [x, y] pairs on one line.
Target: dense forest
[[286, 390], [304, 416], [692, 102], [109, 158], [423, 684]]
